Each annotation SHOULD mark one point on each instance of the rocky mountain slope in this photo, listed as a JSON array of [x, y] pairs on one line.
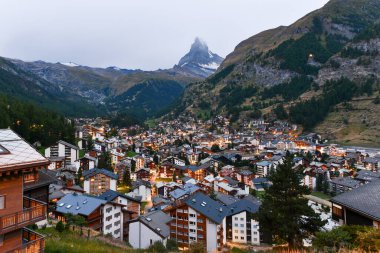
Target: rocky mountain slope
[[302, 73], [199, 61], [108, 90]]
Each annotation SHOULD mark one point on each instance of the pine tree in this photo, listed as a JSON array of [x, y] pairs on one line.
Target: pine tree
[[319, 183], [90, 143], [127, 178], [133, 165], [284, 212], [105, 161], [326, 186]]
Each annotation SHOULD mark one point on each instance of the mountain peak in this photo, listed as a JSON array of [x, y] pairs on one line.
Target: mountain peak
[[199, 61], [199, 45]]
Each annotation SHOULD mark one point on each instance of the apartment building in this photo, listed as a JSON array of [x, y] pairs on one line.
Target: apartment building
[[98, 181], [63, 149], [102, 215], [198, 219], [20, 164]]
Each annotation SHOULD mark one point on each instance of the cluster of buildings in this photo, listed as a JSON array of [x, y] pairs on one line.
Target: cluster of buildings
[[183, 180]]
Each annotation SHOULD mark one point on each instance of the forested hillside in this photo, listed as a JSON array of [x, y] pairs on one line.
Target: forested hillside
[[33, 123]]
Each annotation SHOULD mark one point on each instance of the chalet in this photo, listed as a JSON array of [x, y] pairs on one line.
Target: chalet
[[63, 149], [87, 162], [359, 206], [20, 164], [143, 174], [56, 162], [98, 181], [148, 229], [260, 183], [181, 193], [101, 215], [372, 163], [163, 189], [193, 171], [244, 176], [343, 184], [142, 188], [131, 207]]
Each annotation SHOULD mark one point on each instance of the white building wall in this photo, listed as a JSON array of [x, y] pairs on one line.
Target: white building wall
[[86, 186], [144, 191], [255, 233], [142, 236], [47, 152], [211, 239], [239, 230], [113, 184], [61, 150], [113, 221]]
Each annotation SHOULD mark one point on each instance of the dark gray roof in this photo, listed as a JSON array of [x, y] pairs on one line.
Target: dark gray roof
[[210, 208], [226, 199], [346, 181], [79, 204], [139, 182], [364, 199], [366, 175], [94, 171], [157, 222], [241, 206], [110, 195], [68, 145]]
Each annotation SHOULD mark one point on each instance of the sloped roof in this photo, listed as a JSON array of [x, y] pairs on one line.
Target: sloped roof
[[110, 195], [92, 172], [79, 204], [68, 144], [157, 222], [364, 199], [16, 152], [205, 205]]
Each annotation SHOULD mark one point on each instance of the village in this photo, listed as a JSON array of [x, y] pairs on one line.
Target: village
[[185, 180]]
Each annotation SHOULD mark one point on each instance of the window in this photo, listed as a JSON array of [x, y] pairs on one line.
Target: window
[[242, 225], [2, 202], [236, 237], [242, 231], [236, 225], [236, 218], [241, 219], [1, 240], [255, 233], [255, 239], [242, 237], [236, 231], [192, 230]]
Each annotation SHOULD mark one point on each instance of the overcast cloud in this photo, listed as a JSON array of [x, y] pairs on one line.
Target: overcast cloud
[[145, 34]]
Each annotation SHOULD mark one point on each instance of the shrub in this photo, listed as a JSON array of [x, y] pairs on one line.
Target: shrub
[[60, 227]]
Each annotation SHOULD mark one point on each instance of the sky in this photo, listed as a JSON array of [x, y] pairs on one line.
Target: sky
[[135, 34]]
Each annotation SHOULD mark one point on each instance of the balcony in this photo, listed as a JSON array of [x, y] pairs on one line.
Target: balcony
[[34, 211], [32, 242]]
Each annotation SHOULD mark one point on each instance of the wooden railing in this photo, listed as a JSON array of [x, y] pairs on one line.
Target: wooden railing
[[34, 211], [32, 242]]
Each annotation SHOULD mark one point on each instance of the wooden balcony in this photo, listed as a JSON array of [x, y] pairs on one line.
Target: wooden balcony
[[32, 242], [34, 211]]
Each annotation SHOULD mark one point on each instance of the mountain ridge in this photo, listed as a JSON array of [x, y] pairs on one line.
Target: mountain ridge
[[272, 72]]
